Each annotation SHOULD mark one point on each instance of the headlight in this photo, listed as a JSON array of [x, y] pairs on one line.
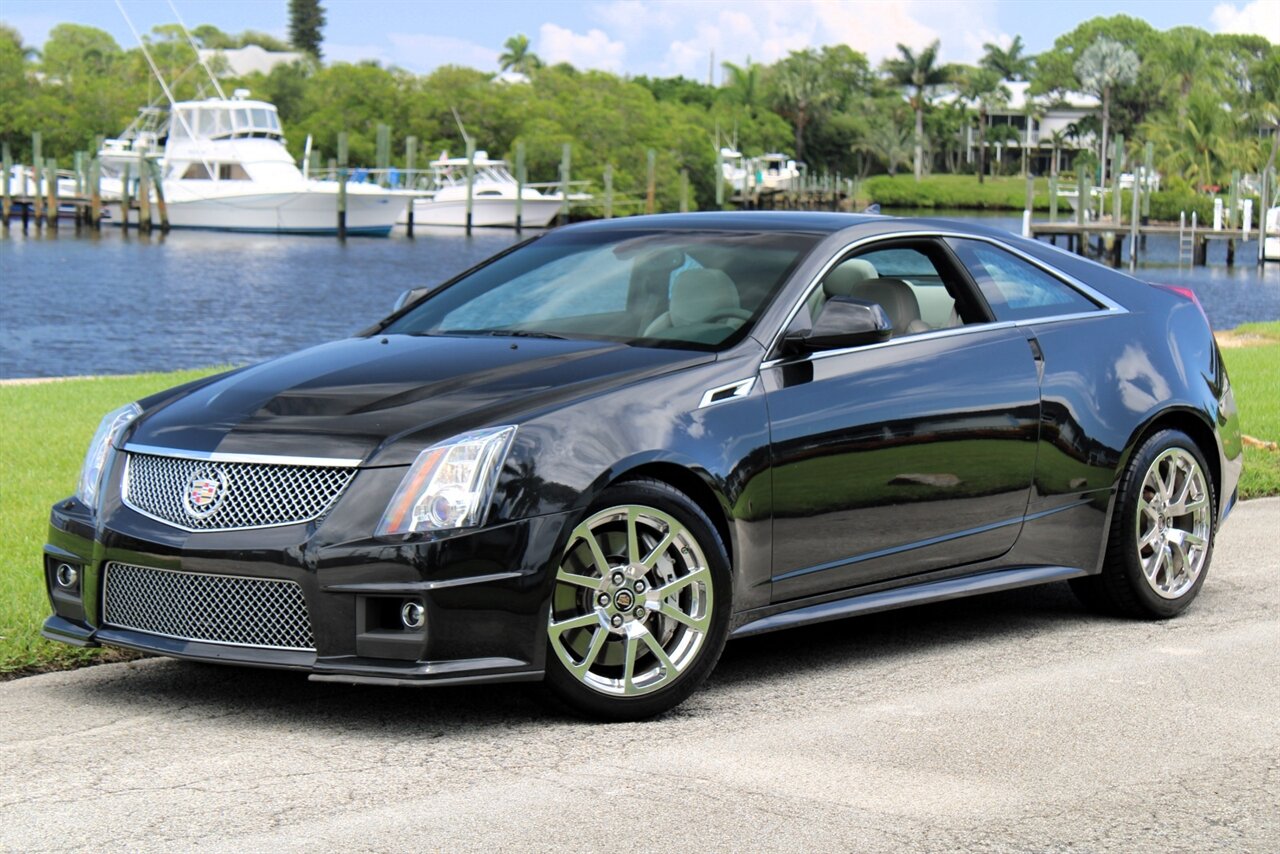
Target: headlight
[[449, 485], [95, 461]]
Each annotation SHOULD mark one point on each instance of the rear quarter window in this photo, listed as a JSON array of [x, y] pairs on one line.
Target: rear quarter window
[[1017, 289]]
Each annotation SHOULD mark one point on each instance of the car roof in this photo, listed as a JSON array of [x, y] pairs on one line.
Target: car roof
[[812, 222]]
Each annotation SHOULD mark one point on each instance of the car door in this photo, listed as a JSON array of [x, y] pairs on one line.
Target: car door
[[906, 456]]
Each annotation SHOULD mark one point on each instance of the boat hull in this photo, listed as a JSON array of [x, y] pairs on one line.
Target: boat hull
[[485, 212], [306, 212]]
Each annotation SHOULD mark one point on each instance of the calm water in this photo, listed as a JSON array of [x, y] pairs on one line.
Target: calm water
[[110, 303]]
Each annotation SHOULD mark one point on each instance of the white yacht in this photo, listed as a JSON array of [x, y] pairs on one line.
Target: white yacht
[[224, 166], [493, 196], [768, 173], [1271, 240]]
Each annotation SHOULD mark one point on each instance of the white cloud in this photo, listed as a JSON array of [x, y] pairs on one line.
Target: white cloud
[[680, 35], [1258, 18], [593, 49]]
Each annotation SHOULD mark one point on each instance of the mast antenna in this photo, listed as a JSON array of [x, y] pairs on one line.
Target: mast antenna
[[173, 104], [207, 70]]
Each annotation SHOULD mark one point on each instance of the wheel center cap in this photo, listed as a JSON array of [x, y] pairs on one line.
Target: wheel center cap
[[624, 600]]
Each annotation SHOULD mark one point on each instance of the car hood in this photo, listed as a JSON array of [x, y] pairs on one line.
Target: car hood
[[382, 399]]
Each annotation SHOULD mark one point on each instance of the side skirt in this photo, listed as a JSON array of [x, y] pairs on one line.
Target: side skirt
[[901, 597]]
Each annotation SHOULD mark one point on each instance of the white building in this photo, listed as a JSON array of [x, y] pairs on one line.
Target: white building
[[248, 59], [1036, 120]]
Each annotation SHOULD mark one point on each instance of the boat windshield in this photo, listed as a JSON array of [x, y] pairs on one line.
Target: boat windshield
[[214, 122], [699, 290]]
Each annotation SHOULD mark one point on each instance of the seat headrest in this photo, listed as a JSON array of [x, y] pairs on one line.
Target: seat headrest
[[897, 299], [841, 281], [699, 295]]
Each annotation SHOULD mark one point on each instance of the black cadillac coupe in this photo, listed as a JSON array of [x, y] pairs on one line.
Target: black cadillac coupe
[[598, 456]]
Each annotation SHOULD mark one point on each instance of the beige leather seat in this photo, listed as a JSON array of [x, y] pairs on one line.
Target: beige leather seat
[[840, 282], [700, 298], [898, 301]]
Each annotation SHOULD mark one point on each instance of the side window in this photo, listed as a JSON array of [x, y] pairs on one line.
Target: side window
[[916, 292], [1016, 289]]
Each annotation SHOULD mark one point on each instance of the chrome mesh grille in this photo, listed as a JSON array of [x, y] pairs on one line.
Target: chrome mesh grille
[[247, 495], [261, 612]]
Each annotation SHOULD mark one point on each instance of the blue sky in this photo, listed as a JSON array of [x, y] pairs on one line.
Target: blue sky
[[660, 37]]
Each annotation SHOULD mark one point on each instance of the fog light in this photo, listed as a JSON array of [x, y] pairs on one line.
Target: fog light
[[66, 575], [413, 615]]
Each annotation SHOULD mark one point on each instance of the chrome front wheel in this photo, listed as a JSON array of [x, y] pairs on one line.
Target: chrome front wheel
[[634, 622]]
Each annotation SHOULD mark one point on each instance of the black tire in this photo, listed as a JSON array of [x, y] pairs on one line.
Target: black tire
[[591, 692], [1122, 588]]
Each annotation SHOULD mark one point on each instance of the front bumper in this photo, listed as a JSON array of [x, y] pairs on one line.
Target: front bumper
[[484, 593]]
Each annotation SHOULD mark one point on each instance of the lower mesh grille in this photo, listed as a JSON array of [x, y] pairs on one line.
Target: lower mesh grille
[[261, 612]]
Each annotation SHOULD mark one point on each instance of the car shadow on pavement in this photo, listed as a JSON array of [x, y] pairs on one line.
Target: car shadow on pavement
[[267, 698]]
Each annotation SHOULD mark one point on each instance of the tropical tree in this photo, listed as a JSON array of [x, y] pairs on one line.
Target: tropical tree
[[887, 140], [984, 88], [1187, 58], [801, 93], [1008, 62], [1205, 145], [1104, 65], [306, 25], [518, 56], [1057, 139], [742, 85], [920, 74]]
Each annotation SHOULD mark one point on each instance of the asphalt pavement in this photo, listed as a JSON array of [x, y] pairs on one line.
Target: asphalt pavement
[[1016, 721]]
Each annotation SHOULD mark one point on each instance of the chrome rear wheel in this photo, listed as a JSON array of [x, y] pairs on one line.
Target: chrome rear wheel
[[1173, 523]]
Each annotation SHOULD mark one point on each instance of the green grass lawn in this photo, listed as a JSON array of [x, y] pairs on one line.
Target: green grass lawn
[[1255, 375], [47, 427]]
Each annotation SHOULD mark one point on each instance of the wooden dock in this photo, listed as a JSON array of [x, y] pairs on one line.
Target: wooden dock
[[1110, 238]]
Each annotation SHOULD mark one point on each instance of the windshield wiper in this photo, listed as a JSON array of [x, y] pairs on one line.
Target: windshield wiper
[[505, 333]]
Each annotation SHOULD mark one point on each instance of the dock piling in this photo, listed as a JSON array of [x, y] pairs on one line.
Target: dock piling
[[342, 185], [51, 179], [37, 172], [521, 179], [144, 195], [608, 191], [684, 191], [125, 201], [651, 183], [95, 193], [382, 155], [471, 180], [162, 208], [566, 154], [6, 202], [410, 163]]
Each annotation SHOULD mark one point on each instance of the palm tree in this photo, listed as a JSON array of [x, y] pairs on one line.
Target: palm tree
[[800, 92], [1056, 140], [919, 73], [888, 141], [518, 57], [1008, 62], [1102, 66], [1205, 145], [742, 84], [983, 87], [1186, 58]]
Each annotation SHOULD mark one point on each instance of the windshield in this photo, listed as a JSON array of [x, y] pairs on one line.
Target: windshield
[[699, 289]]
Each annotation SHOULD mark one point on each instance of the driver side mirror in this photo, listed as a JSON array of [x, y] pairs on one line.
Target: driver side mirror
[[843, 322]]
